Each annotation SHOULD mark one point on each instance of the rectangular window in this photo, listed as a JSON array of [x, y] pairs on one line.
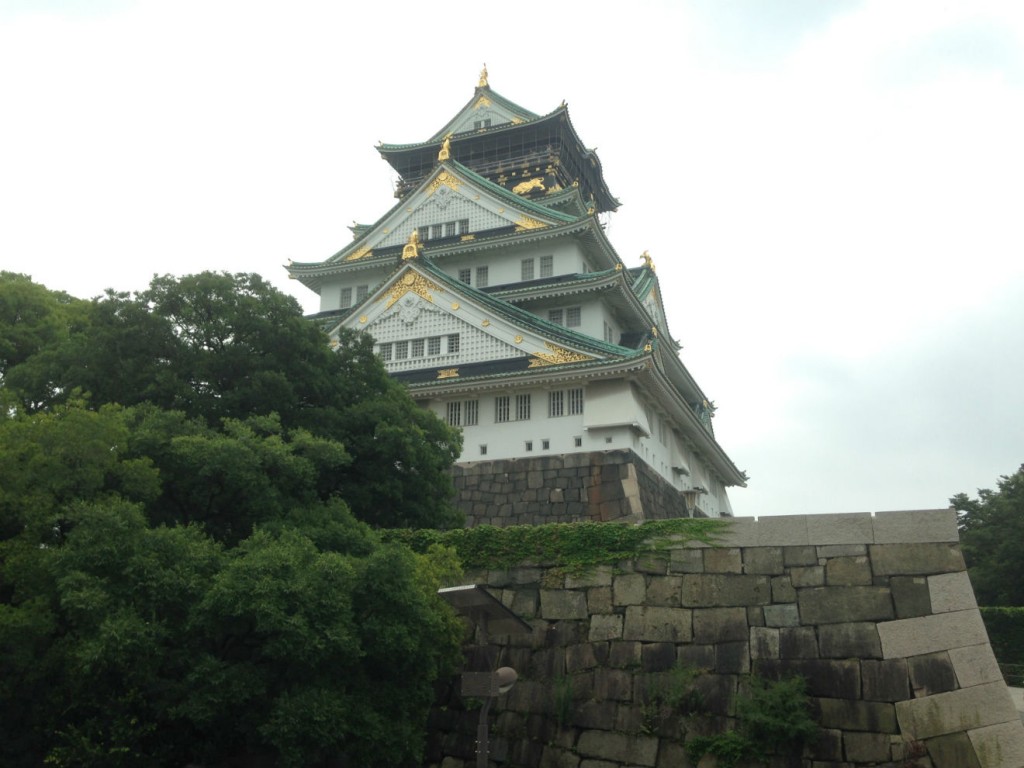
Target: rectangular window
[[545, 445], [471, 413], [455, 414], [449, 229], [453, 343], [463, 226], [434, 345], [575, 402], [483, 450], [501, 410], [401, 350], [481, 277], [529, 445], [556, 404], [346, 298], [361, 292], [608, 333], [547, 266], [572, 317], [527, 269], [417, 348], [522, 407], [578, 442], [466, 276], [436, 231], [556, 316], [385, 352]]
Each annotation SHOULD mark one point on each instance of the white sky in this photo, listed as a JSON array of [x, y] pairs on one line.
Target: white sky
[[832, 192]]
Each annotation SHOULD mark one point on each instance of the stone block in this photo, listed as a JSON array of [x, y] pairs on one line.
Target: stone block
[[697, 656], [886, 680], [962, 710], [579, 657], [974, 665], [797, 556], [591, 713], [834, 605], [910, 595], [951, 592], [798, 643], [854, 528], [783, 590], [523, 603], [563, 604], [652, 563], [613, 685], [686, 560], [915, 526], [828, 678], [599, 576], [755, 615], [827, 745], [665, 591], [782, 530], [927, 634], [870, 716], [629, 589], [599, 600], [841, 550], [931, 673], [915, 559], [764, 643], [954, 750], [785, 615], [848, 571], [741, 532], [657, 657], [807, 576], [623, 748], [657, 624], [723, 560], [713, 589], [605, 626], [857, 639], [732, 658], [866, 747], [763, 560], [624, 654], [719, 625], [999, 746]]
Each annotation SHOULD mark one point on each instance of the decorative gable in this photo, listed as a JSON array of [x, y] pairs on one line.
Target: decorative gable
[[484, 112]]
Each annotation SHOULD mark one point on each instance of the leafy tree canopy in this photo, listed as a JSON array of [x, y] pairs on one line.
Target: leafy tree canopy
[[991, 532]]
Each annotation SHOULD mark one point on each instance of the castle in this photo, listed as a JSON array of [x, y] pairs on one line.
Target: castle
[[493, 293]]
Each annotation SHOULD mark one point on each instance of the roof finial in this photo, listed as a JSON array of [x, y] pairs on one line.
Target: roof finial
[[412, 248], [648, 261], [483, 78], [446, 149]]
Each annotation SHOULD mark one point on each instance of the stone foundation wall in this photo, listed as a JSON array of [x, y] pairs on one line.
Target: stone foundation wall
[[875, 611], [567, 488]]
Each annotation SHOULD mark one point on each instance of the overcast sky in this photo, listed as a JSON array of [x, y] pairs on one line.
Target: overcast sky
[[832, 192]]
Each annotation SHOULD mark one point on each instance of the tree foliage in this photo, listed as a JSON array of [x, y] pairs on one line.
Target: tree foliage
[[189, 569], [991, 531]]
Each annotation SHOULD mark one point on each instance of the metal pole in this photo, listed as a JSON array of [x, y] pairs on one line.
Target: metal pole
[[482, 745]]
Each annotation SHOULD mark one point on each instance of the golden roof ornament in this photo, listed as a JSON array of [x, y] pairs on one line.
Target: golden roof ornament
[[446, 150], [648, 261], [483, 78], [412, 248]]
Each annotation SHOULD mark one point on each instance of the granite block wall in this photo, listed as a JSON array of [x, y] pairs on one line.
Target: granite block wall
[[625, 664], [602, 486]]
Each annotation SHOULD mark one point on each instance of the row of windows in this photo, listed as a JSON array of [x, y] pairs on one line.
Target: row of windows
[[346, 295], [545, 445], [466, 413], [547, 267], [570, 317], [428, 347], [444, 229], [466, 276]]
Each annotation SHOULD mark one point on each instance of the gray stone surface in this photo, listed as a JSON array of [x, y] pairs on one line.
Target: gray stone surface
[[686, 560], [717, 625], [927, 634], [763, 560], [951, 592], [783, 590], [723, 560], [887, 680], [915, 559], [563, 604], [665, 591], [832, 605], [798, 643], [866, 747], [873, 716], [954, 750], [975, 665], [714, 589], [605, 627], [808, 576], [915, 526], [848, 571], [1000, 745], [781, 530], [931, 673], [911, 596], [629, 589], [799, 556], [786, 615], [655, 624], [627, 749], [962, 710], [852, 640], [764, 643], [853, 528]]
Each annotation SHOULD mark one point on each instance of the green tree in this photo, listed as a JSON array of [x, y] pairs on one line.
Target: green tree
[[991, 532]]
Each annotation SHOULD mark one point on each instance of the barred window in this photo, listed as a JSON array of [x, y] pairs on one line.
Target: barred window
[[501, 409], [527, 269], [547, 266], [455, 413], [556, 404], [434, 345], [608, 333], [346, 298], [361, 292], [401, 350], [449, 229], [453, 343], [522, 407], [556, 316], [471, 413], [572, 317], [481, 277], [385, 352], [575, 402], [417, 348], [463, 226], [529, 445], [466, 276]]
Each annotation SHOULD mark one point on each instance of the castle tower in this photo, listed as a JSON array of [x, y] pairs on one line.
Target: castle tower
[[492, 292]]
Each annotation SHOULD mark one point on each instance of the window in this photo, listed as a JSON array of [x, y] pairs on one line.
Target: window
[[609, 333], [483, 450], [522, 407], [527, 269], [529, 445], [545, 445], [361, 292], [385, 352], [346, 298], [556, 404], [578, 442], [479, 124], [547, 266], [455, 414], [466, 276], [444, 229], [463, 226], [556, 316], [481, 277], [575, 402], [449, 229], [470, 413], [434, 345], [572, 317], [501, 411], [417, 348], [401, 350], [453, 343]]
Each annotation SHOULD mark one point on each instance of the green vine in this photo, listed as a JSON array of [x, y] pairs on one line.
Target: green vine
[[573, 546]]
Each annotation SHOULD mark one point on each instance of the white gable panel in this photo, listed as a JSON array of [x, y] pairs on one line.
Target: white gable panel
[[474, 119], [446, 205]]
